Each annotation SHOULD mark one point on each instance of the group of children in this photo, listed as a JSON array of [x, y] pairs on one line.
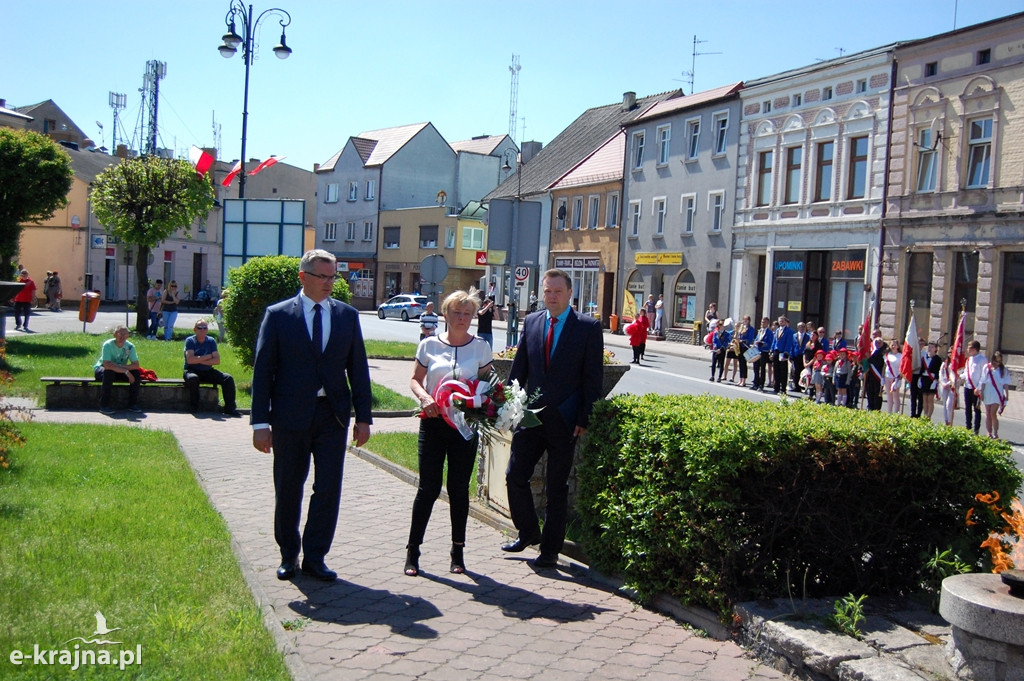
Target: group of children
[[834, 377]]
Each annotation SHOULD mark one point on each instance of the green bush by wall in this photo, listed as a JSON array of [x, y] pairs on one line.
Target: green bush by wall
[[715, 500]]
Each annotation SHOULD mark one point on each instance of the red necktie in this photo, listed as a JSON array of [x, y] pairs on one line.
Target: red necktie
[[549, 341]]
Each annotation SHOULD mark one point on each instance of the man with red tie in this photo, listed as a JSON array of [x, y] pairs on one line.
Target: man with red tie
[[560, 354]]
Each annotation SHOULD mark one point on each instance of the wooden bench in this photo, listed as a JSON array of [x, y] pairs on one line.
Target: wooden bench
[[165, 394]]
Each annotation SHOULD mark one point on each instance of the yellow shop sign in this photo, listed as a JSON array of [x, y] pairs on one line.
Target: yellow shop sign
[[659, 258]]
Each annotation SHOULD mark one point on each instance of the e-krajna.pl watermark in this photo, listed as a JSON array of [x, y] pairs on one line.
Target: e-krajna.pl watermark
[[78, 657]]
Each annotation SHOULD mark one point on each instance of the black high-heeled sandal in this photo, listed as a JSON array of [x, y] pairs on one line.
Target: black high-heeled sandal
[[412, 561], [458, 564]]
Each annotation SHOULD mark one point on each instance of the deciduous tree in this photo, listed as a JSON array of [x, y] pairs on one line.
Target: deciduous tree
[[143, 201], [35, 178]]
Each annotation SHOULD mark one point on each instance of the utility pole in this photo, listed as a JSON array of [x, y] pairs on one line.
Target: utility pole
[[514, 69]]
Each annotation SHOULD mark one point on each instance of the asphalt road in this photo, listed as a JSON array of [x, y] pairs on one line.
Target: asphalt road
[[668, 368]]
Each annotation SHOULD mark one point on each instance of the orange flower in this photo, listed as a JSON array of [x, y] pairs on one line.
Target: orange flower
[[970, 512], [987, 498]]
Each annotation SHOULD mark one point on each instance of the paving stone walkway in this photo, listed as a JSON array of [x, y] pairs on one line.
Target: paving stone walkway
[[502, 619]]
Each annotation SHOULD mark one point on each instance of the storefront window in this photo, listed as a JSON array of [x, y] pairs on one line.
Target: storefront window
[[1011, 330], [684, 299]]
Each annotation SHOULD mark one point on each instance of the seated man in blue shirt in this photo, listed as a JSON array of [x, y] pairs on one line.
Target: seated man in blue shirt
[[201, 357]]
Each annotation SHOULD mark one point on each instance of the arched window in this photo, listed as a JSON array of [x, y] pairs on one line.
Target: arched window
[[684, 299]]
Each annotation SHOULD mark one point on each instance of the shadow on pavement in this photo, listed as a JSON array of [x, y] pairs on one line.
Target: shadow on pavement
[[343, 602], [520, 603]]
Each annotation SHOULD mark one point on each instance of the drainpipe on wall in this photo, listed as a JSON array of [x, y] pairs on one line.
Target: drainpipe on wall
[[885, 192]]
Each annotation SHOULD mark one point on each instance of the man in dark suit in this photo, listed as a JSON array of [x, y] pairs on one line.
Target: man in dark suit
[[310, 370], [561, 354]]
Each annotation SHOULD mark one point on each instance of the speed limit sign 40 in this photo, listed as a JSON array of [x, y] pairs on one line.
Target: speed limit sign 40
[[522, 273]]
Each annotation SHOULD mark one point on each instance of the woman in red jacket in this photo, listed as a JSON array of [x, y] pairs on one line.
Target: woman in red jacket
[[637, 332], [23, 302]]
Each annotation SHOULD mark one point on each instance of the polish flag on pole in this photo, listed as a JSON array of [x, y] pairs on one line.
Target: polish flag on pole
[[200, 159], [957, 356], [266, 164], [229, 178], [864, 347], [911, 351]]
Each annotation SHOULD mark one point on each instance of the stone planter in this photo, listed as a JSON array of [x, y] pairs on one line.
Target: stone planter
[[493, 460]]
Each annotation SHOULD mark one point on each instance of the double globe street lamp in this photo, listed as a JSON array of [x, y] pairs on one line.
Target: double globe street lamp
[[232, 40]]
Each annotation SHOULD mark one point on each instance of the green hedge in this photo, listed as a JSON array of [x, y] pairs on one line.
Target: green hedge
[[716, 501]]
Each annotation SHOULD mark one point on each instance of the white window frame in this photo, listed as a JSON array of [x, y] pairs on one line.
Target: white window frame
[[594, 211], [330, 231], [637, 155], [688, 207], [331, 193], [798, 99], [563, 202], [353, 191], [692, 138], [371, 190], [927, 162], [851, 167], [473, 238], [716, 206], [428, 243], [368, 230], [449, 237], [721, 129], [664, 134], [350, 231], [826, 93], [635, 214], [793, 183], [979, 152], [763, 178], [862, 85], [659, 209], [577, 212], [612, 212], [766, 106]]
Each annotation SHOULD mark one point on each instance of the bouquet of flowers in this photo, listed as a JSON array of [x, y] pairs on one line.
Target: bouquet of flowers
[[487, 407]]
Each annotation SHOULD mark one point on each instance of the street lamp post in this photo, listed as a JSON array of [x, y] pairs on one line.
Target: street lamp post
[[231, 42], [512, 330]]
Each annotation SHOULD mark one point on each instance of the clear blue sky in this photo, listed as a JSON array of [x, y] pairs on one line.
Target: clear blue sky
[[371, 64]]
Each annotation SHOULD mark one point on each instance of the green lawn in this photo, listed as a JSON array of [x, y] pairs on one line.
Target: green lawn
[[75, 353], [118, 524]]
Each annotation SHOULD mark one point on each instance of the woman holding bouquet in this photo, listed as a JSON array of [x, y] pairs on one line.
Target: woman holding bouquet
[[459, 355]]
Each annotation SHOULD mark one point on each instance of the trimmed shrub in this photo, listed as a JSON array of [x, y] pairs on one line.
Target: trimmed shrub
[[253, 287], [716, 501]]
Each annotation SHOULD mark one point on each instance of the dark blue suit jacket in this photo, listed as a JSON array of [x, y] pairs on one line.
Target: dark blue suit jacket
[[287, 374], [573, 382]]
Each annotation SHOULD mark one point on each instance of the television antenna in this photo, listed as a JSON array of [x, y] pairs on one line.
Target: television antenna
[[689, 76]]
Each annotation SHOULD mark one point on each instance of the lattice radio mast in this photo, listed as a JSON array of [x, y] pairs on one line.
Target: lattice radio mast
[[155, 72], [514, 68], [118, 101], [216, 133]]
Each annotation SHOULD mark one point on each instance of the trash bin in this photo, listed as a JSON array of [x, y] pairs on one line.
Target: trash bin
[[613, 323], [88, 307], [697, 338]]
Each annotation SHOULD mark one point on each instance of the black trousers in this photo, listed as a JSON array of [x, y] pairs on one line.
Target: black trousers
[[109, 378], [325, 440], [210, 377], [780, 373], [972, 407], [22, 311], [761, 369], [528, 445], [717, 360], [916, 396], [439, 442]]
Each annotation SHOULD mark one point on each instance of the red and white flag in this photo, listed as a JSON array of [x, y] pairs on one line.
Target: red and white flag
[[266, 164], [229, 178], [911, 357], [200, 159], [864, 347], [958, 355]]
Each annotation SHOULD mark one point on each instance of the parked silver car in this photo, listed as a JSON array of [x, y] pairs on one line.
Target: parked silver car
[[405, 305]]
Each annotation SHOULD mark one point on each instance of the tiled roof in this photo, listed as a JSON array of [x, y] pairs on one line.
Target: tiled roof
[[588, 132], [88, 164], [4, 111], [328, 165], [484, 144], [686, 102], [604, 165], [364, 147], [389, 140]]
